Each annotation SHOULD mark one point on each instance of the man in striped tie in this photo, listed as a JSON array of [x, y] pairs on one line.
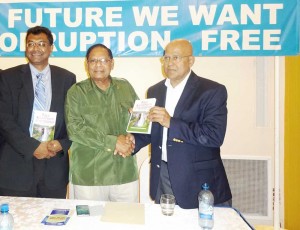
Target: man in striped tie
[[29, 166]]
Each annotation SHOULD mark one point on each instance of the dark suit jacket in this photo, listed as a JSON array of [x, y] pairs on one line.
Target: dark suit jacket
[[196, 133], [16, 153], [1, 138]]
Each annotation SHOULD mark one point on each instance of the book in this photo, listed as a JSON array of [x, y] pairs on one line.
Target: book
[[82, 210], [43, 125], [57, 217], [138, 121], [64, 212]]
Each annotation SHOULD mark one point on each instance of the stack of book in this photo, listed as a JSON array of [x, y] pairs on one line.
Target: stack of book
[[57, 217]]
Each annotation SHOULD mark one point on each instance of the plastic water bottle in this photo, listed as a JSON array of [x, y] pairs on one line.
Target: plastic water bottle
[[6, 219], [206, 208]]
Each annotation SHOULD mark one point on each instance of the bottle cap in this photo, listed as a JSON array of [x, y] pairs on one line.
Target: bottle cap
[[205, 186], [4, 208]]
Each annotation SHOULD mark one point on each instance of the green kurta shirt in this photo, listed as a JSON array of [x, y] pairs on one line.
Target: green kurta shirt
[[94, 119]]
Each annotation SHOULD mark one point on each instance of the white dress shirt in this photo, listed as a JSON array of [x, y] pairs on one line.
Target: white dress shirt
[[48, 88], [172, 98]]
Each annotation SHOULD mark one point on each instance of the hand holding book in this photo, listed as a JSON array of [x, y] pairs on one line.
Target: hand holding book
[[54, 146], [160, 115], [42, 151]]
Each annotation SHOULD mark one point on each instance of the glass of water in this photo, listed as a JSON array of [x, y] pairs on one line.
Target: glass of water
[[167, 204]]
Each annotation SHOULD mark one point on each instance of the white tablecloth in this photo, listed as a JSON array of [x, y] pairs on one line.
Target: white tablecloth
[[29, 212]]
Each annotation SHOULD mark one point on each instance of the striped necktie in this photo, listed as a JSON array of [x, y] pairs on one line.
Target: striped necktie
[[40, 94]]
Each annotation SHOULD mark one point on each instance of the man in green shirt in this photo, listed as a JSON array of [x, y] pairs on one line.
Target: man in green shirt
[[97, 113]]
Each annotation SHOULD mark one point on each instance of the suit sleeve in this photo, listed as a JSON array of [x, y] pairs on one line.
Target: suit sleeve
[[141, 140], [12, 133], [210, 127]]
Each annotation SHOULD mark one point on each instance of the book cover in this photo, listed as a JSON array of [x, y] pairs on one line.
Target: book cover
[[82, 210], [57, 220], [43, 125], [64, 212], [138, 121], [57, 217]]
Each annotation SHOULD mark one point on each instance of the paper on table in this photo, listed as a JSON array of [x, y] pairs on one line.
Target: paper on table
[[96, 210], [126, 213]]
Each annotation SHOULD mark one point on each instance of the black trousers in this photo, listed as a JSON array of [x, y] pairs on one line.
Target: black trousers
[[38, 188], [164, 184]]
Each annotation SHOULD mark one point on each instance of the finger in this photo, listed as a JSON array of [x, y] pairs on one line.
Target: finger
[[126, 155]]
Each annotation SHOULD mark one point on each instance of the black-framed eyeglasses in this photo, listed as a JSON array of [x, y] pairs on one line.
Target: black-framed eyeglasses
[[103, 61], [40, 44], [174, 58]]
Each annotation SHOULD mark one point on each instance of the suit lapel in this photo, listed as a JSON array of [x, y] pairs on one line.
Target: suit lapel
[[55, 87], [28, 85], [161, 95], [187, 92]]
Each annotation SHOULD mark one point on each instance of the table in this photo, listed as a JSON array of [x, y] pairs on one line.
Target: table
[[29, 212]]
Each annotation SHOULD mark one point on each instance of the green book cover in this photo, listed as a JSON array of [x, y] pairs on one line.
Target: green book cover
[[138, 121]]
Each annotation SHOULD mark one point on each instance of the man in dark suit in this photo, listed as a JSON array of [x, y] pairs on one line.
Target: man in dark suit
[[29, 167], [189, 124], [1, 138]]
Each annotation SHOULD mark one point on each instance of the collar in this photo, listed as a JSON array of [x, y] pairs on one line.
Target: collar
[[34, 71], [95, 87], [181, 84]]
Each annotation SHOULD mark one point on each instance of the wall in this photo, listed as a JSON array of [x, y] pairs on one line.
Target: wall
[[292, 156]]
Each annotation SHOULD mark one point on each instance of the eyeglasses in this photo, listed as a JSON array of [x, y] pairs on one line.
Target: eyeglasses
[[175, 58], [40, 44], [103, 61]]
